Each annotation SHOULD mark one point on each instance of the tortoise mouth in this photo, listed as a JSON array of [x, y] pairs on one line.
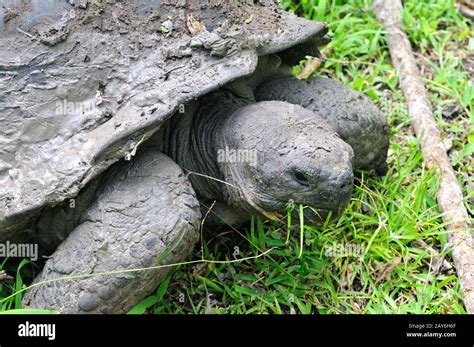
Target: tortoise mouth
[[319, 213], [317, 216], [313, 215]]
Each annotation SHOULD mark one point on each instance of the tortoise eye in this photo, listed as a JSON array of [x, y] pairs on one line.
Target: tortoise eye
[[301, 178]]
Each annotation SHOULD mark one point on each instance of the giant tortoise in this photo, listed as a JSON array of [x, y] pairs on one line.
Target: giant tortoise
[[123, 122]]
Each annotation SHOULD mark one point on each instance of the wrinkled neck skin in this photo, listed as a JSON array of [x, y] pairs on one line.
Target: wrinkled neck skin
[[194, 141]]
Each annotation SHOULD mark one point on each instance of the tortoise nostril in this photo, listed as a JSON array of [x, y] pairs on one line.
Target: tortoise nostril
[[301, 178], [345, 181]]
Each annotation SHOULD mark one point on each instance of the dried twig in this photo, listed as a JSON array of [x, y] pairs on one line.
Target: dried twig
[[450, 199], [4, 276]]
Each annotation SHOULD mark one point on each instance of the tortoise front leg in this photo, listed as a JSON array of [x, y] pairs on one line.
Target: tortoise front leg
[[147, 210]]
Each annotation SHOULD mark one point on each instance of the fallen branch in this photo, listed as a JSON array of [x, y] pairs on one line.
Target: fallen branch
[[4, 276], [466, 7], [450, 199]]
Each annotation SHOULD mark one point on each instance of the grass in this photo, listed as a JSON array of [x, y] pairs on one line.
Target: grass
[[376, 258]]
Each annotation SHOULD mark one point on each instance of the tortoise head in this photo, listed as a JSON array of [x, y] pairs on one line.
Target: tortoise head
[[274, 152]]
